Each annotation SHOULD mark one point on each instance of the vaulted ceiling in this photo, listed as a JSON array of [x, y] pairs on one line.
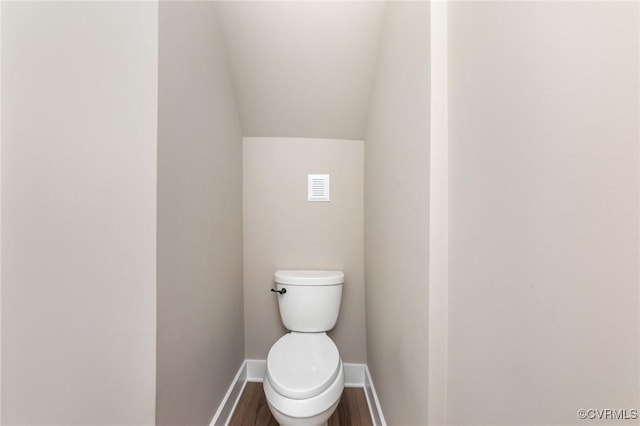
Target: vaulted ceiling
[[303, 68]]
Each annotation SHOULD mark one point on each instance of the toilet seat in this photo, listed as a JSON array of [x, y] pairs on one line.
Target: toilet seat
[[303, 365], [321, 405]]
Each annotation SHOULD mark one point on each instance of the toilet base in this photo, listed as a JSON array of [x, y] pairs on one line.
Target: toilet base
[[317, 420]]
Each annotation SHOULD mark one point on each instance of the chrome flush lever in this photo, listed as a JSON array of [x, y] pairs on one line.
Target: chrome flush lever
[[283, 291]]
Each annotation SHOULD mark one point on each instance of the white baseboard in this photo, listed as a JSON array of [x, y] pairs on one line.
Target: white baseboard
[[256, 369], [375, 409], [228, 404], [353, 375], [253, 370]]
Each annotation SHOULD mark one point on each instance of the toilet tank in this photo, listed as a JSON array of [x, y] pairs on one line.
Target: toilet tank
[[311, 301]]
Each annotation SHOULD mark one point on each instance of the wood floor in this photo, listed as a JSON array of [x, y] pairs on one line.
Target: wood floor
[[252, 409]]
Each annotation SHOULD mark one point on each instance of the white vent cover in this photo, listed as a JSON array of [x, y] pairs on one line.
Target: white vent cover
[[319, 188]]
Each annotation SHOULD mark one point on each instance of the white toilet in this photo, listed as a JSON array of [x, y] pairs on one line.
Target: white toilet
[[304, 377]]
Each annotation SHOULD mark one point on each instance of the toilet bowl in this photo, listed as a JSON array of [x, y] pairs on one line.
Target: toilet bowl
[[304, 378], [304, 375]]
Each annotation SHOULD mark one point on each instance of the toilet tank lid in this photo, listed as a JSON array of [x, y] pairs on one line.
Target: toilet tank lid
[[302, 277]]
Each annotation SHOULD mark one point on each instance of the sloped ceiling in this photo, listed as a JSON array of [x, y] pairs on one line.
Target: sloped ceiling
[[302, 68]]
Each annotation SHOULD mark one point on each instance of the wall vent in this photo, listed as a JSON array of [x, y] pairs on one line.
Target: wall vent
[[318, 188]]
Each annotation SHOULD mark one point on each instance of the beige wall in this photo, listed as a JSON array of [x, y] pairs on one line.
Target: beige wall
[[543, 303], [200, 305], [438, 215], [282, 230], [0, 213], [302, 68], [397, 216], [79, 107]]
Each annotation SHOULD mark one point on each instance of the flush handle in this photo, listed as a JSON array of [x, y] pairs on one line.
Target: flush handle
[[283, 291]]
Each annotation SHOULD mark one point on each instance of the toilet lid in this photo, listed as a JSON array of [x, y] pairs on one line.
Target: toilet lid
[[303, 365]]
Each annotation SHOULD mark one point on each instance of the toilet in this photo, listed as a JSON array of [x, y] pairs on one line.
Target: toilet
[[304, 376]]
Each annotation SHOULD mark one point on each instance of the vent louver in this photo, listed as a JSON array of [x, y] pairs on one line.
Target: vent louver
[[318, 188]]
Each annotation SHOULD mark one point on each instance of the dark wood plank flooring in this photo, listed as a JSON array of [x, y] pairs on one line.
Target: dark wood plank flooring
[[252, 409]]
